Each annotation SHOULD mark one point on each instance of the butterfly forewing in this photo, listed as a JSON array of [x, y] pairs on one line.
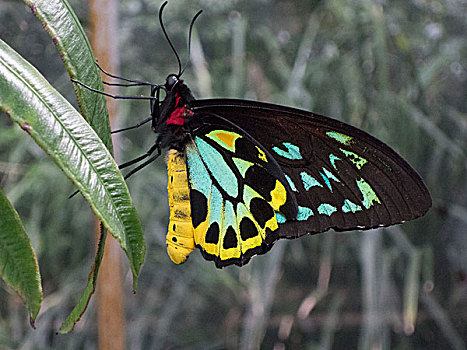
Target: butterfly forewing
[[341, 177]]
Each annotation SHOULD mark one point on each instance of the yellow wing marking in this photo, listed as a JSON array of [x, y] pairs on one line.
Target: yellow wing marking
[[261, 154], [224, 138], [228, 139]]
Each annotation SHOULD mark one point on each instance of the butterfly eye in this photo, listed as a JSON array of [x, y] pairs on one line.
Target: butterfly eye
[[171, 81]]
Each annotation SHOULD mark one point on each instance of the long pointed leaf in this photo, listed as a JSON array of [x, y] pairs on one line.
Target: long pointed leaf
[[61, 131], [18, 263], [67, 33]]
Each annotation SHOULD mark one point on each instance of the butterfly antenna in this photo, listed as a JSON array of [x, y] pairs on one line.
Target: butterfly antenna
[[168, 39], [189, 38]]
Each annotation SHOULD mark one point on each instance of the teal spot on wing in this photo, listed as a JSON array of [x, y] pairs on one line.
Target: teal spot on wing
[[242, 165], [229, 217], [218, 167], [309, 181], [280, 218], [344, 139], [249, 194], [326, 209], [369, 196], [199, 176], [349, 206], [330, 175], [332, 159], [293, 152], [216, 206], [327, 176], [291, 184], [354, 158], [304, 213]]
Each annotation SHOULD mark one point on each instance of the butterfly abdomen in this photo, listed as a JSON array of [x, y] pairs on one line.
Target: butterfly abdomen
[[180, 235]]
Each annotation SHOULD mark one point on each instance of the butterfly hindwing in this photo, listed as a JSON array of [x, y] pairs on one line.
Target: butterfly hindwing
[[238, 194], [341, 177]]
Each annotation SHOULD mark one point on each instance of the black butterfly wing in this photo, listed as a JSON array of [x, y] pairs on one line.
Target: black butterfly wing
[[342, 177]]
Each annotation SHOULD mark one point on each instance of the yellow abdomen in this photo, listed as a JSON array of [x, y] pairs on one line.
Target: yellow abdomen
[[180, 235]]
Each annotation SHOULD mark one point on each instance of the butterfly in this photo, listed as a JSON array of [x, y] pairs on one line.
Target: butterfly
[[243, 174]]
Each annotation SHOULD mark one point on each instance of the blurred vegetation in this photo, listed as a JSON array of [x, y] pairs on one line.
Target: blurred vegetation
[[396, 69]]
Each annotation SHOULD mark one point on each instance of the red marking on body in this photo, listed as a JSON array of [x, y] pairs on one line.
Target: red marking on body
[[177, 117]]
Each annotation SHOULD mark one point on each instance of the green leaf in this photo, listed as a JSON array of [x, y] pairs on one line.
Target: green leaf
[[18, 263], [83, 302], [67, 33], [61, 131]]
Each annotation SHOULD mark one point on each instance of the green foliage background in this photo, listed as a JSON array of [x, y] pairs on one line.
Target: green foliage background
[[396, 69]]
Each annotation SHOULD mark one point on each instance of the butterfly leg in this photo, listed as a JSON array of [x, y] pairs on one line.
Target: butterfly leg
[[146, 163], [118, 97], [133, 127], [134, 161], [140, 158]]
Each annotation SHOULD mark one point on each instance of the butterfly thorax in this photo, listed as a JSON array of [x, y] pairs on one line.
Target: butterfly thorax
[[175, 115]]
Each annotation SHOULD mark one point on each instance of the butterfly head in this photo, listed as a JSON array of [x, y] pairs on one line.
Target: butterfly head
[[171, 81]]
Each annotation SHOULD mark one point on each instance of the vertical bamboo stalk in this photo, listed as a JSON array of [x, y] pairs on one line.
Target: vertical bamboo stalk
[[237, 78], [372, 330], [111, 326]]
